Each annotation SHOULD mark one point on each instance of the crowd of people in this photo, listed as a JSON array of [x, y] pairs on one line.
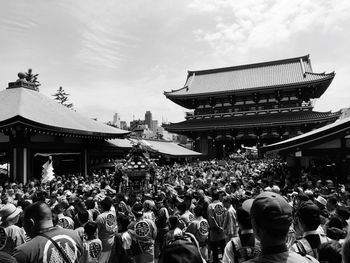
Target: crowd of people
[[204, 211]]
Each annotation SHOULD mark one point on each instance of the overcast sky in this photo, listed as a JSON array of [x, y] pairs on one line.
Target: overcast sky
[[120, 56]]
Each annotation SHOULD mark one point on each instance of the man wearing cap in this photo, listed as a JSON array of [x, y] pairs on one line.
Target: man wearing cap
[[245, 246], [271, 217], [11, 235], [307, 221]]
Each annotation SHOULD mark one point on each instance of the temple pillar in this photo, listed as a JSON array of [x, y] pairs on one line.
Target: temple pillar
[[20, 160], [203, 144]]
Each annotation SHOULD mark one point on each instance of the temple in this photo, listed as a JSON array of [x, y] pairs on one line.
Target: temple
[[250, 105], [34, 126]]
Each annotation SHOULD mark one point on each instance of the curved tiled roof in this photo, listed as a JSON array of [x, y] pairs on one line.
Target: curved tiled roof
[[320, 135], [279, 73], [39, 111], [271, 119]]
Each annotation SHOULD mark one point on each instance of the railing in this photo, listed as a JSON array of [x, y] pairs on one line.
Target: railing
[[246, 113]]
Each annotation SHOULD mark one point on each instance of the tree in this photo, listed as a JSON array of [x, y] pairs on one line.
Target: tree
[[32, 78], [62, 97]]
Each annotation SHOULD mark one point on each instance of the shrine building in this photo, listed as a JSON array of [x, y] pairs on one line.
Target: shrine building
[[250, 105], [34, 126]]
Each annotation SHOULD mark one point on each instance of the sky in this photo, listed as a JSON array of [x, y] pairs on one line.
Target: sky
[[120, 56]]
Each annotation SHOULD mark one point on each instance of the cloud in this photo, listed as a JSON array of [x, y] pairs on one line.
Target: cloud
[[263, 24]]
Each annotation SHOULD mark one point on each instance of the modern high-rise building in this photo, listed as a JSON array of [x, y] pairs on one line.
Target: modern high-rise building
[[116, 119], [148, 119], [154, 125]]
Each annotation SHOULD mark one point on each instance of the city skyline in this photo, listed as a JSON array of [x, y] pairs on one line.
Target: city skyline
[[111, 61]]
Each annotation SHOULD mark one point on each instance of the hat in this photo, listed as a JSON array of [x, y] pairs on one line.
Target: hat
[[309, 212], [270, 210], [137, 209], [9, 212], [247, 205], [321, 200]]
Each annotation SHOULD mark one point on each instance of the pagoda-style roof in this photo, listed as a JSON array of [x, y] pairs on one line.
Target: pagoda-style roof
[[318, 136], [20, 105], [250, 121], [248, 78]]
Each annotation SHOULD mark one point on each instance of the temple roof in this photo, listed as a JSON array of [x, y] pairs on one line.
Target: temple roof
[[280, 73], [167, 148], [321, 135], [270, 120], [37, 111]]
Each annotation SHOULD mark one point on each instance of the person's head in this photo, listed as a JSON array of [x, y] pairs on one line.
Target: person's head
[[198, 211], [215, 195], [307, 217], [181, 207], [37, 216], [227, 201], [9, 214], [106, 203], [90, 203], [332, 204], [137, 209], [123, 222], [90, 229], [173, 222], [58, 209], [330, 252], [271, 217], [243, 219], [83, 217]]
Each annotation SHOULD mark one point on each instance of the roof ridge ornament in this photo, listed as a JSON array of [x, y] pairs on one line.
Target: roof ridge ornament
[[22, 82]]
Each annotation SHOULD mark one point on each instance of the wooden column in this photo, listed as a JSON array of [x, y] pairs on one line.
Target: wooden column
[[19, 164]]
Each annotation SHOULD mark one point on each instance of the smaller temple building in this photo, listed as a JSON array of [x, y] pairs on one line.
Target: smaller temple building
[[251, 105], [34, 126], [324, 153]]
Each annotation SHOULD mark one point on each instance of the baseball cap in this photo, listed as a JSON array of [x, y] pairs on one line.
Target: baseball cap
[[309, 213], [271, 211]]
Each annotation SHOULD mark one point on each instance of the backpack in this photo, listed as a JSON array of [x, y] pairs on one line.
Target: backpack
[[304, 247], [182, 248], [243, 253]]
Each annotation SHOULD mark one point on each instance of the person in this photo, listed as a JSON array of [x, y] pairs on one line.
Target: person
[[83, 218], [144, 231], [63, 221], [92, 245], [330, 252], [13, 235], [230, 223], [174, 230], [48, 243], [307, 221], [245, 246], [183, 248], [123, 248], [216, 217], [271, 217], [346, 249], [185, 216], [199, 227], [107, 227], [162, 216]]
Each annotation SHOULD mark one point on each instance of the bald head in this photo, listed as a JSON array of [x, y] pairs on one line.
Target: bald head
[[37, 216], [38, 211]]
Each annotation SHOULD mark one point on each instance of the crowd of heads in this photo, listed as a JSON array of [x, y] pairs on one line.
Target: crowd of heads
[[264, 193]]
